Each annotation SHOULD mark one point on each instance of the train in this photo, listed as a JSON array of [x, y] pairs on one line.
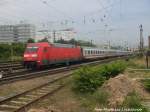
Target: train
[[42, 54]]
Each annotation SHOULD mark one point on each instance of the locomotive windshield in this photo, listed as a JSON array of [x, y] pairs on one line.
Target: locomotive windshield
[[32, 49]]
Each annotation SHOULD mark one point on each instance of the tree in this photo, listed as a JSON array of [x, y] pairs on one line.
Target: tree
[[43, 40], [76, 42], [30, 40]]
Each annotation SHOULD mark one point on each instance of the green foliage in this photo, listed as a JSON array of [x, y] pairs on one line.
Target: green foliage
[[75, 42], [132, 63], [4, 51], [18, 49], [98, 98], [146, 84], [7, 50], [31, 40], [112, 69], [87, 80], [44, 40], [118, 48], [133, 101], [101, 97]]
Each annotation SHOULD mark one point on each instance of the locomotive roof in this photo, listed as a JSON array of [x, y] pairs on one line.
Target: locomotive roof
[[64, 45], [39, 44], [54, 44]]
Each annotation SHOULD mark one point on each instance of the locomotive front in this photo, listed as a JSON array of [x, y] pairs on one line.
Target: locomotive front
[[31, 56]]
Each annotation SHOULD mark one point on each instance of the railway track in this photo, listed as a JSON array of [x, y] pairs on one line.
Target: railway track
[[21, 102], [30, 74], [8, 62], [6, 68]]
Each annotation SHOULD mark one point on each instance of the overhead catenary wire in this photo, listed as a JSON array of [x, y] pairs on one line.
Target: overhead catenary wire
[[67, 18], [57, 10]]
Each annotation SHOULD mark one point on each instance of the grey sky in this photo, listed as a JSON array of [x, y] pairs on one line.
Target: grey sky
[[114, 20]]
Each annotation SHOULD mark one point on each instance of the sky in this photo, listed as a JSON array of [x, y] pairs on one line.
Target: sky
[[102, 21]]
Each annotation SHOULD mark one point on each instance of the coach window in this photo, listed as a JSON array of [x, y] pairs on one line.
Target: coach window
[[86, 52]]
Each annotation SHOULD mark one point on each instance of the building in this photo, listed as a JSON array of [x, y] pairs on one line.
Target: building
[[16, 33], [51, 35]]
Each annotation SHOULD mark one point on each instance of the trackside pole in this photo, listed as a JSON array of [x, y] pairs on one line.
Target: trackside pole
[[147, 58], [147, 61]]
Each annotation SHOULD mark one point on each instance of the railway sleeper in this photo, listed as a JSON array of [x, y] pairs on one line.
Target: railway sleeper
[[5, 106], [25, 98], [32, 96], [18, 102]]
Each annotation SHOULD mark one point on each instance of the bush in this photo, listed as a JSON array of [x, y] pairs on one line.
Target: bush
[[112, 69], [146, 84], [87, 80]]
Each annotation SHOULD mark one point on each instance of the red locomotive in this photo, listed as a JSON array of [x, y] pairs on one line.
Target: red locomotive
[[43, 53], [40, 54]]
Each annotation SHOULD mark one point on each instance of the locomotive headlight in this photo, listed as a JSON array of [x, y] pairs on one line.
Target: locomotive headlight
[[26, 55], [34, 55]]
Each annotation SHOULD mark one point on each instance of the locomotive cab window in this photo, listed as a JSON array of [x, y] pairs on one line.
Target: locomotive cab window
[[32, 49]]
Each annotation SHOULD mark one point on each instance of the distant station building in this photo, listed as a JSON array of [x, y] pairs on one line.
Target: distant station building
[[65, 34], [16, 33]]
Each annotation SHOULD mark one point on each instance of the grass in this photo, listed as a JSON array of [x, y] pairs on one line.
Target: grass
[[132, 101], [138, 63], [146, 84], [98, 99]]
